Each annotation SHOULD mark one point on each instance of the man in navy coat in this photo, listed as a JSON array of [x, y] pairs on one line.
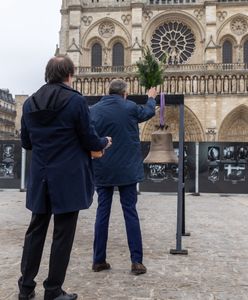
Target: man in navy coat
[[121, 166], [56, 126]]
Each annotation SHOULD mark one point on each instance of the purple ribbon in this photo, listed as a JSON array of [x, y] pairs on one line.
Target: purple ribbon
[[162, 107]]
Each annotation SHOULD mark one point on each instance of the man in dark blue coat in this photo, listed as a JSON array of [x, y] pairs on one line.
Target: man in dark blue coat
[[121, 166], [56, 126]]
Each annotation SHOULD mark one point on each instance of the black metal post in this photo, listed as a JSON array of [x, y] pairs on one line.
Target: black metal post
[[180, 192], [183, 216]]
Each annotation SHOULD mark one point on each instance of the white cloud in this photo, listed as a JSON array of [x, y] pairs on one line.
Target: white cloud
[[29, 32]]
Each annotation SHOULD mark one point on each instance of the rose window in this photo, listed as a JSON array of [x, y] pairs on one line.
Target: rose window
[[173, 41]]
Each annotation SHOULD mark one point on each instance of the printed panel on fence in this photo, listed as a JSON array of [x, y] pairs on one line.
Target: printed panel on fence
[[223, 167], [164, 177], [10, 164]]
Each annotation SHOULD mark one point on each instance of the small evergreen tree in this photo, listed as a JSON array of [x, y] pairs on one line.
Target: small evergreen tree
[[150, 71]]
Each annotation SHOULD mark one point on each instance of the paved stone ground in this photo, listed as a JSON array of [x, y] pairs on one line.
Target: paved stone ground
[[215, 269]]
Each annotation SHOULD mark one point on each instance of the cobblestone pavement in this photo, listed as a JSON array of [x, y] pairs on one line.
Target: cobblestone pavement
[[215, 269]]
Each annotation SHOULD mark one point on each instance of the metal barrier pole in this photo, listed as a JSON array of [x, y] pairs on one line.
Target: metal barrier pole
[[197, 169], [179, 249], [23, 169]]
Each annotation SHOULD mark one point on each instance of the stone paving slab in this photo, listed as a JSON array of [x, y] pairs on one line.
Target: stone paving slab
[[216, 267]]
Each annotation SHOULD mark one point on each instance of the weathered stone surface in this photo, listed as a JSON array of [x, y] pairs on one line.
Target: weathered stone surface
[[215, 269]]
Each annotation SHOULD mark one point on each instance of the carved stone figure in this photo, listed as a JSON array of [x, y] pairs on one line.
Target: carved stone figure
[[99, 87], [234, 84], [173, 86], [226, 84], [218, 84], [165, 84], [135, 86], [86, 87], [187, 85], [202, 84], [241, 84], [180, 85], [210, 84], [195, 85]]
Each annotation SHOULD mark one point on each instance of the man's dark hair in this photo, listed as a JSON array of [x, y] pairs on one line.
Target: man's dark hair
[[58, 69], [117, 87]]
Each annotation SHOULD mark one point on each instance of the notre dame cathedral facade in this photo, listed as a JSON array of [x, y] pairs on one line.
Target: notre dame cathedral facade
[[206, 47]]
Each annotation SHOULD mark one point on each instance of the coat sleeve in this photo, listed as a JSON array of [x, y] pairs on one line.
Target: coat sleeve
[[86, 130], [25, 139], [147, 111]]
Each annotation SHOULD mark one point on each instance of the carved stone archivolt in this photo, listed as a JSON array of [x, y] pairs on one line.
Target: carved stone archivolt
[[106, 29], [193, 129], [235, 125], [239, 25]]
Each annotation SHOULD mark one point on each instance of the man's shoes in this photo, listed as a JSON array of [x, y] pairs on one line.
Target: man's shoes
[[138, 269], [62, 296], [29, 296], [100, 267]]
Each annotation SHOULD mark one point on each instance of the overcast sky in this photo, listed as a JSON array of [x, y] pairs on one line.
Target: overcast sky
[[29, 31]]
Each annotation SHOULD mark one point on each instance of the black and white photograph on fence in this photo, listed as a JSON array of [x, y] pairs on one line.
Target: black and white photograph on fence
[[242, 153], [213, 153], [213, 173], [228, 153], [234, 173], [7, 161]]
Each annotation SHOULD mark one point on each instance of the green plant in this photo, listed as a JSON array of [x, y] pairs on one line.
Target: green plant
[[150, 71]]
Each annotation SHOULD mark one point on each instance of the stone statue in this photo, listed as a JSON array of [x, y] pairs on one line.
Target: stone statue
[[234, 84], [180, 85], [226, 84], [241, 84], [187, 85], [195, 85], [173, 86], [135, 86], [210, 85], [202, 84], [218, 85], [165, 84], [86, 87]]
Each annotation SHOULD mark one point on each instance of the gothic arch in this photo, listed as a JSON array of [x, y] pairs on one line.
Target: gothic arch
[[218, 33], [181, 17], [88, 32], [118, 39], [192, 126], [173, 14], [234, 127]]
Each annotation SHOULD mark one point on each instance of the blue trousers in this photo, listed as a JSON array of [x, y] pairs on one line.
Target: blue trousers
[[128, 199]]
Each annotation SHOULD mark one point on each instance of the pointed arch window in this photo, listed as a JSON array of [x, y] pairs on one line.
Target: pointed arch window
[[246, 52], [96, 55], [118, 55], [227, 52]]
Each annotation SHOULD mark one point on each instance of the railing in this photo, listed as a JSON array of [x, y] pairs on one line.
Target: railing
[[7, 111], [197, 79], [171, 2], [105, 3], [167, 68], [7, 122], [232, 0]]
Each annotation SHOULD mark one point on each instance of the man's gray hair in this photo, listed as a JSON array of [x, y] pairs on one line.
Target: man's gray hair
[[118, 87]]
